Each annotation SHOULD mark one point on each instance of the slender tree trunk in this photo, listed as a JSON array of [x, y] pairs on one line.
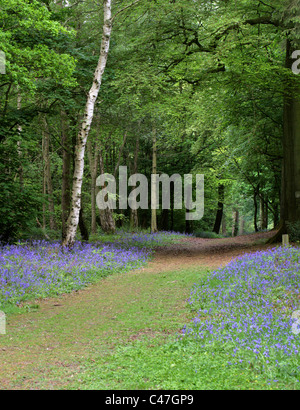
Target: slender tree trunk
[[219, 216], [188, 226], [134, 219], [235, 225], [153, 184], [224, 228], [19, 149], [276, 218], [266, 219], [82, 226], [106, 215], [165, 219], [44, 185], [73, 219], [262, 213], [242, 225], [172, 190], [255, 212], [94, 162], [66, 173], [47, 173], [120, 154]]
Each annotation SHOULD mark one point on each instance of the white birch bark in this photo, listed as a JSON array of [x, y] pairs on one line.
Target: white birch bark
[[20, 130], [73, 219]]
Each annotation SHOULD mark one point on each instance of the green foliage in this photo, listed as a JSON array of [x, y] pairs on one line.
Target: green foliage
[[207, 235], [168, 363], [30, 41], [19, 209], [20, 201], [170, 366], [294, 231], [214, 92]]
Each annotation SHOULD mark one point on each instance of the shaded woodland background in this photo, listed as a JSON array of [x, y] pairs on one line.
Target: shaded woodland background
[[194, 86]]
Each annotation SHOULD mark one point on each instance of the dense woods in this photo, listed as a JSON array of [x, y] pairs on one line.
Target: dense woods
[[150, 150], [166, 87]]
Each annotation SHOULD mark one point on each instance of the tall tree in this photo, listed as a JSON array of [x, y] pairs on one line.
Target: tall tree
[[73, 219], [154, 192]]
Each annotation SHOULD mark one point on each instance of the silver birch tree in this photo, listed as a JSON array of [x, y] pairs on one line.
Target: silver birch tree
[[85, 127]]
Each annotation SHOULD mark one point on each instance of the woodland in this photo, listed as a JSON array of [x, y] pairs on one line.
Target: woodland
[[142, 297], [162, 87]]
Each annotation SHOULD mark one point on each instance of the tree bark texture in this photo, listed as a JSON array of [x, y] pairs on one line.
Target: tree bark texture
[[134, 219], [153, 184], [47, 173], [219, 215], [66, 173], [106, 215], [73, 219], [291, 148]]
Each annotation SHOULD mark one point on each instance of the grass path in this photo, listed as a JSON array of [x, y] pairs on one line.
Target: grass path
[[46, 348]]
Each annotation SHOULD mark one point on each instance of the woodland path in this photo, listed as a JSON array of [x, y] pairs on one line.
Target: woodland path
[[47, 347], [211, 253]]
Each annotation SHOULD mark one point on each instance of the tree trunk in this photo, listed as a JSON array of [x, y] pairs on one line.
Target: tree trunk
[[93, 162], [153, 183], [120, 154], [165, 219], [44, 188], [19, 149], [106, 215], [47, 173], [235, 225], [85, 127], [172, 193], [291, 149], [219, 216], [242, 225], [255, 212], [266, 218], [224, 227], [290, 183], [262, 213], [134, 219], [82, 226], [66, 174], [188, 226], [276, 216]]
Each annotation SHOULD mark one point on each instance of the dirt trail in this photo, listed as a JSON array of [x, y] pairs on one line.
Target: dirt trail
[[45, 348], [212, 253]]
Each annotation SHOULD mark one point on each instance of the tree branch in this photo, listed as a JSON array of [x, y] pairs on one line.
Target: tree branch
[[123, 9]]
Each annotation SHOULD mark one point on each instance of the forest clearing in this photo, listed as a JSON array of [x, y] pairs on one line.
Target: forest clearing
[[149, 194]]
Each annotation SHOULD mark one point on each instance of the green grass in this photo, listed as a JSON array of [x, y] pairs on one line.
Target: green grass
[[52, 346], [207, 235], [175, 365], [124, 333], [141, 239], [178, 363]]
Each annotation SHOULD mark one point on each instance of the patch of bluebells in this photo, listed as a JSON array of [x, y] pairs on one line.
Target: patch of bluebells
[[246, 309], [145, 240], [41, 269]]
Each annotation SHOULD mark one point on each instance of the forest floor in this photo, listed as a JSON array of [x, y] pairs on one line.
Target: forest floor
[[49, 345], [211, 253]]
